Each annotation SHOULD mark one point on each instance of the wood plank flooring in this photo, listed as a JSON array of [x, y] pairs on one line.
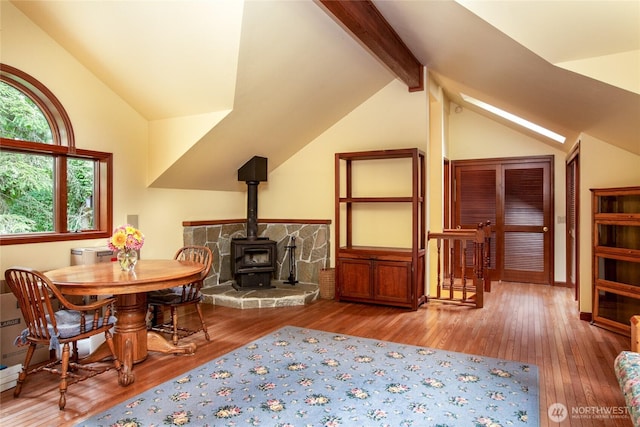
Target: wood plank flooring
[[534, 324]]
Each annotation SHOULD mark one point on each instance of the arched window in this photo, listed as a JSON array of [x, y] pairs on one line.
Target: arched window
[[49, 189]]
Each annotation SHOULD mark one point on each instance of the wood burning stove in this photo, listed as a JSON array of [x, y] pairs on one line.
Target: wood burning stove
[[253, 259], [253, 262]]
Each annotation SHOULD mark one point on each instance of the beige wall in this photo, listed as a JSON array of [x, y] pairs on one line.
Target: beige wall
[[473, 136], [601, 166], [438, 144], [303, 186], [102, 121]]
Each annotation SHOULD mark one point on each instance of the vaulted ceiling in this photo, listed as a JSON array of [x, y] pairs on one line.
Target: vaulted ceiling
[[267, 77]]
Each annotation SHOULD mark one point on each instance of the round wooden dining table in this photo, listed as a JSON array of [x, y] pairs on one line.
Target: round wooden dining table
[[131, 339]]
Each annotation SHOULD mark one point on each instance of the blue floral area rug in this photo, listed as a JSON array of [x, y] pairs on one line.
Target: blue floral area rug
[[304, 377]]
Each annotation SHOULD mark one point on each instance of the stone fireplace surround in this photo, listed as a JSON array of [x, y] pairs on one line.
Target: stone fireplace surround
[[312, 254]]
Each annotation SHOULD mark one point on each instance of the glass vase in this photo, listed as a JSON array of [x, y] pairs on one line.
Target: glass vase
[[127, 258]]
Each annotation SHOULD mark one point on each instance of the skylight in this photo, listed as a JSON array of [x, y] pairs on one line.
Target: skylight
[[515, 119]]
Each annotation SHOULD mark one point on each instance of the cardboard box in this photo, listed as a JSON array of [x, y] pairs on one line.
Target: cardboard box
[[8, 385], [11, 325], [80, 256], [9, 376]]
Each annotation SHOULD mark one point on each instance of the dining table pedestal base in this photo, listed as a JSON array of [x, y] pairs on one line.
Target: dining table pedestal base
[[132, 340], [158, 343], [131, 327]]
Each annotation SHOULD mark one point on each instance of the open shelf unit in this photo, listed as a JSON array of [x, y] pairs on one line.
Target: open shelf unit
[[372, 273]]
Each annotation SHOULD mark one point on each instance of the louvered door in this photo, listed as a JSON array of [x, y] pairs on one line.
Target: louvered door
[[527, 223], [476, 202], [516, 195], [572, 236]]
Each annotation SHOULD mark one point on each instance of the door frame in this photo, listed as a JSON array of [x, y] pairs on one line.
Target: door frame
[[572, 177]]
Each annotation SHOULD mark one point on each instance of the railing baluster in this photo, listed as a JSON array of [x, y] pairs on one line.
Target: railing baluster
[[463, 263], [481, 259], [438, 288], [452, 271]]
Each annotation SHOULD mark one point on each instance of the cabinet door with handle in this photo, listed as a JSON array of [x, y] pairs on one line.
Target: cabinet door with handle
[[392, 281], [355, 278]]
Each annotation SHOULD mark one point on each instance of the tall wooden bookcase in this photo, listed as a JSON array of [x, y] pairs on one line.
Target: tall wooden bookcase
[[616, 257], [380, 274]]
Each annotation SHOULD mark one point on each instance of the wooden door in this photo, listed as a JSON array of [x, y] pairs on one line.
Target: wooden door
[[476, 201], [527, 223], [516, 195], [572, 235]]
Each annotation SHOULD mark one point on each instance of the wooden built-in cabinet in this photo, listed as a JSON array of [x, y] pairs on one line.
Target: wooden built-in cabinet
[[616, 256], [381, 274]]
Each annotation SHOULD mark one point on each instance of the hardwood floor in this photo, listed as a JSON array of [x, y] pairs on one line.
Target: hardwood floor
[[529, 323]]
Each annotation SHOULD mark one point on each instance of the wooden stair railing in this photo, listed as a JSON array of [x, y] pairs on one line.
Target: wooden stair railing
[[463, 290]]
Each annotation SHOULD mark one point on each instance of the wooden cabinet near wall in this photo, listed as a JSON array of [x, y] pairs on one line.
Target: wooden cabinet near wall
[[616, 256], [367, 272], [376, 275]]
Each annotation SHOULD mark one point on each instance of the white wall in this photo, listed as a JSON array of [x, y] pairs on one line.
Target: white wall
[[104, 122]]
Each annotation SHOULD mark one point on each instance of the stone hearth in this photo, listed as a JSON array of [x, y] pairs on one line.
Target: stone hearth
[[280, 295], [311, 256]]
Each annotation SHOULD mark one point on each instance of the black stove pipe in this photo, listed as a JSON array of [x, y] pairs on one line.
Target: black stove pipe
[[253, 172], [252, 210]]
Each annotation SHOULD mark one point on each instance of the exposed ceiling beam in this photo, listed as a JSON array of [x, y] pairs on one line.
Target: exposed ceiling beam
[[365, 22]]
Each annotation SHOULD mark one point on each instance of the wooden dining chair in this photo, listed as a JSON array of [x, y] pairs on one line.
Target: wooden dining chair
[[182, 296], [56, 329]]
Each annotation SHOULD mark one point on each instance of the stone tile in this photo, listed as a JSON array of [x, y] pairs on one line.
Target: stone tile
[[281, 295]]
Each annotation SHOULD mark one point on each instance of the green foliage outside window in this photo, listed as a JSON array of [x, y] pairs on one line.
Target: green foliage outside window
[[21, 118], [27, 180], [26, 193], [80, 175]]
